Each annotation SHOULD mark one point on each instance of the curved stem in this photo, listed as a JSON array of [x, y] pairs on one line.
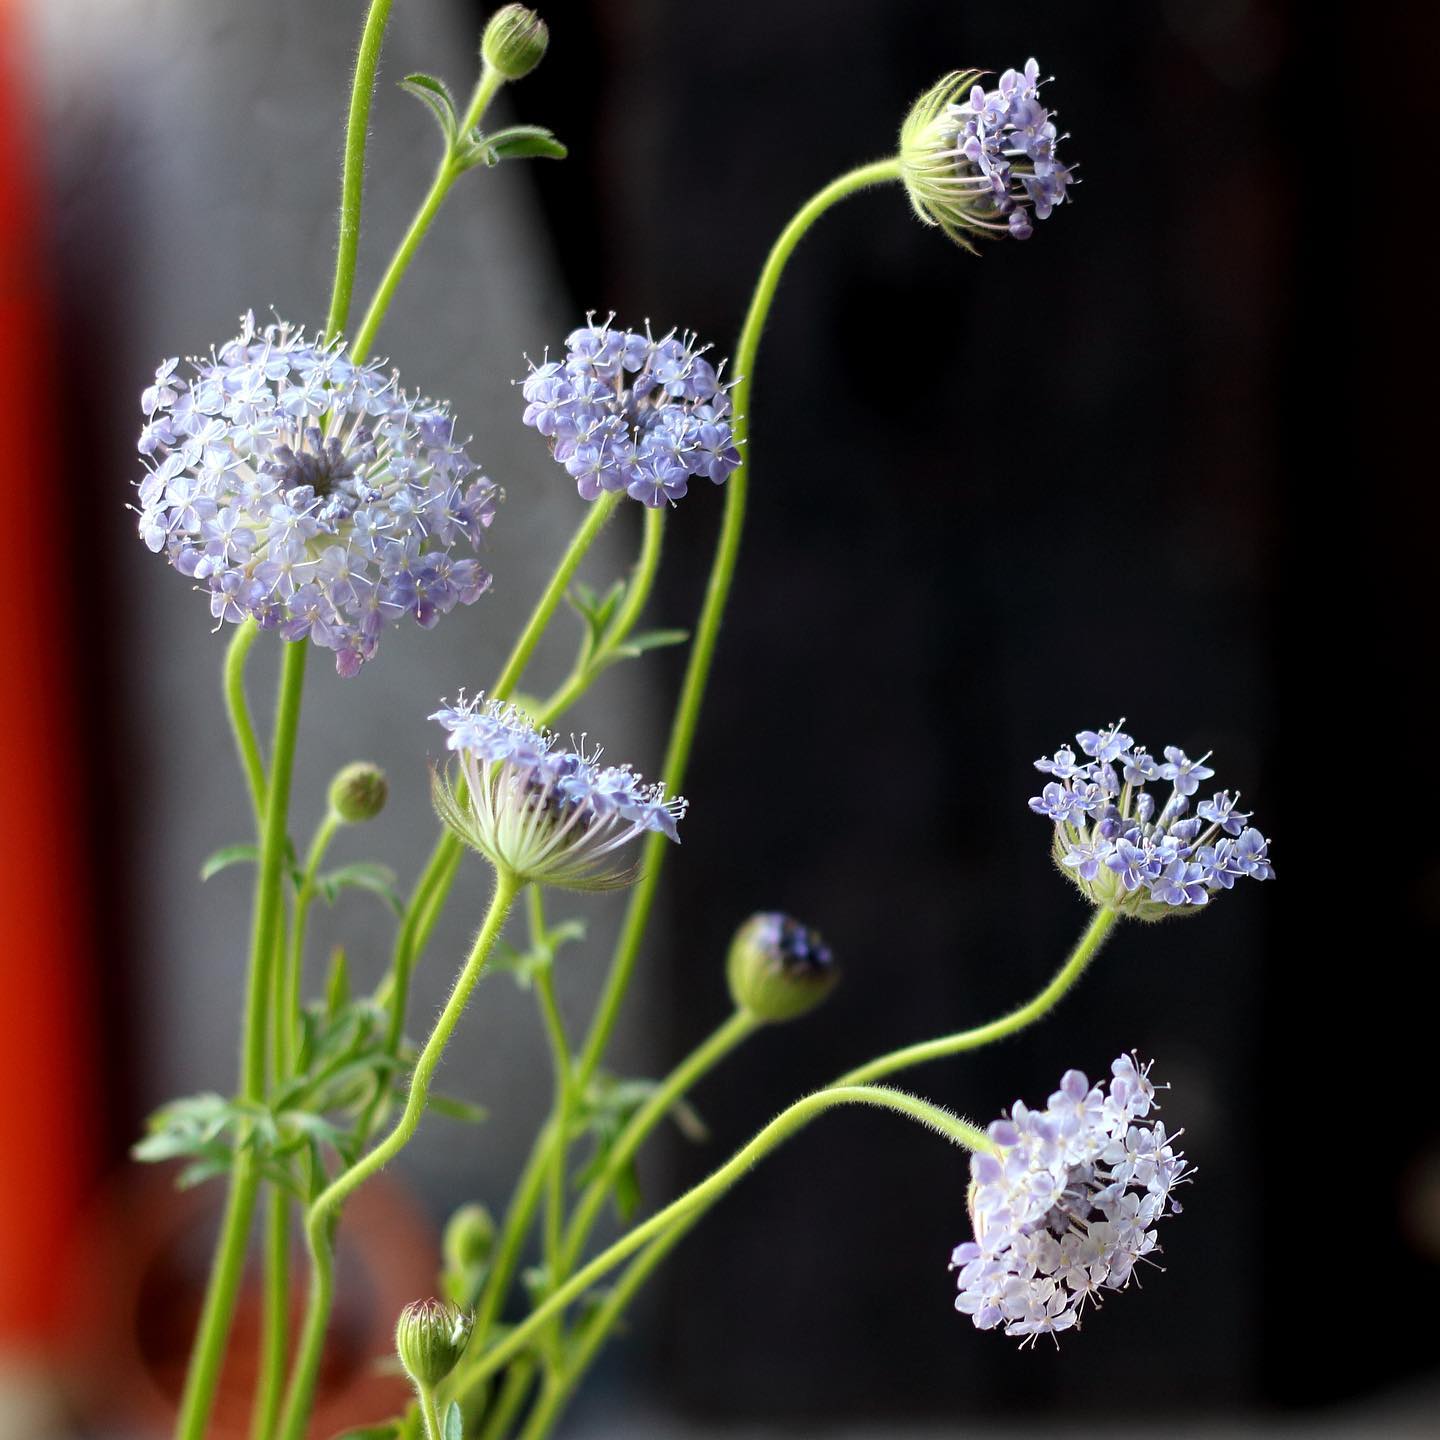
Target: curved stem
[[352, 187], [237, 707], [798, 1115], [445, 176], [319, 1220], [208, 1354], [1088, 946], [679, 1082], [717, 592]]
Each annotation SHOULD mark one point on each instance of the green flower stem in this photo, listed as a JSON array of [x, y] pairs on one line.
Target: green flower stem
[[237, 707], [450, 170], [433, 887], [558, 1389], [559, 1143], [511, 1397], [319, 1220], [637, 593], [275, 1315], [295, 961], [1096, 933], [796, 1117], [352, 190], [722, 571], [426, 1396], [208, 1354], [739, 1027]]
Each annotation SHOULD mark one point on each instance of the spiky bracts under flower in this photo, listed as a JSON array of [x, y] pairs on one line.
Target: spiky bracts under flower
[[980, 162], [1066, 1204], [1112, 843], [310, 493], [624, 411], [546, 815]]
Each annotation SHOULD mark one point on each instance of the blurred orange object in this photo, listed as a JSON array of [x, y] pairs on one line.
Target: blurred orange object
[[47, 1138]]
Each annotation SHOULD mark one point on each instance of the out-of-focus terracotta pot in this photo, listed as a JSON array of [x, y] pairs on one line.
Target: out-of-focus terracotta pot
[[138, 1281]]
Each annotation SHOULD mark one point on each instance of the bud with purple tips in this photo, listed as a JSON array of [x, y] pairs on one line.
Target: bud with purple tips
[[778, 969]]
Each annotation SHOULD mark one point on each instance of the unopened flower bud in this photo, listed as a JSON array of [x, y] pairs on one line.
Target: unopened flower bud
[[430, 1339], [515, 41], [778, 969], [358, 792], [469, 1238]]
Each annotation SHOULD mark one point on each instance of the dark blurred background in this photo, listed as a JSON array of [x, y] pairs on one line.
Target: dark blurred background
[[1165, 460]]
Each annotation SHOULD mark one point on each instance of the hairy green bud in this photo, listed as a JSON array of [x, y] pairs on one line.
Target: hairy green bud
[[358, 792], [515, 41], [430, 1338]]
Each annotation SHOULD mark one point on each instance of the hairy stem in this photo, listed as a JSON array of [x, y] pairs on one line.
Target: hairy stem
[[717, 593], [1088, 946]]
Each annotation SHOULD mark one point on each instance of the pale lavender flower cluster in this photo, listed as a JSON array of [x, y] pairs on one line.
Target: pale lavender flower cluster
[[551, 816], [1111, 841], [980, 162], [1005, 149], [1066, 1204], [310, 493], [627, 412]]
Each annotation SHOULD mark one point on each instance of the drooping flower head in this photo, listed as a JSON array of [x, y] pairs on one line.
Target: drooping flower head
[[1066, 1205], [624, 411], [547, 815], [982, 162], [310, 492], [1121, 852]]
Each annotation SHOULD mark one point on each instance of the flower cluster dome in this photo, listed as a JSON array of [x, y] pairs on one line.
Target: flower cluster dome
[[310, 493], [1065, 1206], [624, 411], [545, 814], [1111, 841], [982, 162]]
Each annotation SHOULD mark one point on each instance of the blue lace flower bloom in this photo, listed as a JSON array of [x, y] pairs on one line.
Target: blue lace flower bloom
[[310, 493], [1066, 1204], [627, 412], [550, 816], [983, 162], [1121, 854]]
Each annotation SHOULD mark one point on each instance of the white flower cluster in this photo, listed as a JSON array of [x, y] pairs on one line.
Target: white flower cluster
[[1066, 1204]]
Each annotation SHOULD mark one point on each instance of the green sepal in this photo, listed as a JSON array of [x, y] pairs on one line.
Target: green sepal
[[453, 1425], [227, 856], [435, 95], [517, 142]]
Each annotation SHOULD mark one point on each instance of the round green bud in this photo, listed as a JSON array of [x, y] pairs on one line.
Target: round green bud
[[777, 969], [358, 792], [469, 1238], [514, 42], [430, 1338]]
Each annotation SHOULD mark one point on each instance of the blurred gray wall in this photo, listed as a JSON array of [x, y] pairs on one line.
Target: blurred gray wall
[[196, 149]]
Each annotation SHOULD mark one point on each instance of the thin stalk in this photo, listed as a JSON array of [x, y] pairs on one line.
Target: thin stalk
[[717, 592], [637, 594], [450, 170], [237, 707], [352, 185], [1088, 946], [208, 1354], [679, 1082], [304, 898], [786, 1124], [324, 1210]]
